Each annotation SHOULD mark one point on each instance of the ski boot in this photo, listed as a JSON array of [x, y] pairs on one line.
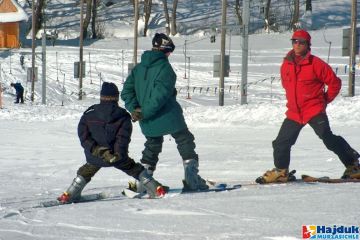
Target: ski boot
[[152, 187], [138, 187], [193, 181], [73, 193], [276, 175], [352, 171]]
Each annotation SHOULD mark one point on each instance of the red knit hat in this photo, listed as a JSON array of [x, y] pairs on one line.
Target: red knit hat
[[301, 34]]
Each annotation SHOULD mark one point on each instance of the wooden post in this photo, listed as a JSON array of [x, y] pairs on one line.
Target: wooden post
[[353, 44], [43, 76], [245, 51], [33, 51], [81, 43], [136, 18], [222, 54]]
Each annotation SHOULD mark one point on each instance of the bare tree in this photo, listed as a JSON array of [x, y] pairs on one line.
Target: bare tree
[[93, 19], [147, 12], [173, 18], [238, 12], [267, 15], [87, 18], [39, 17], [295, 19], [308, 5], [133, 3], [167, 18]]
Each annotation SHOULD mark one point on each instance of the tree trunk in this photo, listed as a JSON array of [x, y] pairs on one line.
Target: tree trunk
[[147, 12], [267, 15], [93, 19], [39, 18], [87, 17], [295, 20], [238, 12], [167, 18], [308, 5], [173, 18]]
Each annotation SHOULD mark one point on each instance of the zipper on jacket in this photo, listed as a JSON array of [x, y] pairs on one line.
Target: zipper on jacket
[[295, 93]]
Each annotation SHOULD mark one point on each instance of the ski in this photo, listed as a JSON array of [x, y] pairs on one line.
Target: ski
[[216, 188], [102, 196], [325, 179], [219, 188], [132, 194], [305, 179]]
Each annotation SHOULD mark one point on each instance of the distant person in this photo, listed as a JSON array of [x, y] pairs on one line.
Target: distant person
[[105, 132], [310, 85], [150, 96], [22, 60], [19, 92], [54, 37]]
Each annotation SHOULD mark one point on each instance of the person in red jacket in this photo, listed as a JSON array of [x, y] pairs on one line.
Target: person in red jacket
[[310, 85]]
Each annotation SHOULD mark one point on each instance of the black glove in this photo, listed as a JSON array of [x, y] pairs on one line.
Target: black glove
[[136, 115], [105, 154]]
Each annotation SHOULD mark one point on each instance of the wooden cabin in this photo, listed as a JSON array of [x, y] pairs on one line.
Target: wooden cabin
[[11, 14]]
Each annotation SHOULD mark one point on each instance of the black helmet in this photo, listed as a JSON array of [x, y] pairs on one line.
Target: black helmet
[[163, 43]]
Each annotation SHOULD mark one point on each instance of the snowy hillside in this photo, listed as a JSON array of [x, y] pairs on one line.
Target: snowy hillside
[[40, 150], [194, 17]]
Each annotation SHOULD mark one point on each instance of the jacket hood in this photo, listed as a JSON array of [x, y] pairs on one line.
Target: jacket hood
[[108, 111], [152, 58]]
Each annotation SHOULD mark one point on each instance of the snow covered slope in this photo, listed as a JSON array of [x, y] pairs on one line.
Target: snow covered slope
[[40, 151]]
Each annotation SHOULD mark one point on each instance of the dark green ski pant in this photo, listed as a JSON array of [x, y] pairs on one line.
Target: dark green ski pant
[[185, 144]]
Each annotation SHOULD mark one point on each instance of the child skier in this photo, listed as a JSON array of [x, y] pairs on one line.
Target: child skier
[[105, 131], [149, 94]]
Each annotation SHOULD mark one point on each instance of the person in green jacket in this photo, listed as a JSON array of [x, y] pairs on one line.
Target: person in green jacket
[[149, 94]]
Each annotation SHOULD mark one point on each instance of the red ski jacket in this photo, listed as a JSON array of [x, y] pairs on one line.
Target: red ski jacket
[[305, 83]]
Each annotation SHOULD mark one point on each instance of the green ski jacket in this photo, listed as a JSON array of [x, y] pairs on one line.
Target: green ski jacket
[[151, 86]]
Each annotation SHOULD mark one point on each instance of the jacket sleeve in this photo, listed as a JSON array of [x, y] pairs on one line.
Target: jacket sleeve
[[163, 89], [87, 142], [123, 137], [283, 73], [128, 94], [325, 74]]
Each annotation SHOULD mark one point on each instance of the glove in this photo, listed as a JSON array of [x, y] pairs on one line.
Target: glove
[[105, 154], [136, 115], [110, 158], [98, 151]]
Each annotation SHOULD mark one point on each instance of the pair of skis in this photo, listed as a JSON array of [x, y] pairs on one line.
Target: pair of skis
[[214, 187], [308, 179], [129, 193]]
